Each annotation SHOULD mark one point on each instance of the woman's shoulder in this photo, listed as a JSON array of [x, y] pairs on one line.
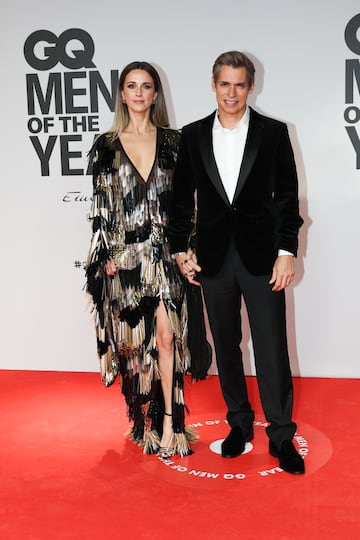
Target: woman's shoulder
[[103, 152], [168, 147], [170, 135], [103, 141]]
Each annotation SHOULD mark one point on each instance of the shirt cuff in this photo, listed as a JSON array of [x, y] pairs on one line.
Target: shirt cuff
[[284, 252]]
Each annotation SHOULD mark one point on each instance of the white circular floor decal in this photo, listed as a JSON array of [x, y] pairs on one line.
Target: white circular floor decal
[[206, 468], [215, 447]]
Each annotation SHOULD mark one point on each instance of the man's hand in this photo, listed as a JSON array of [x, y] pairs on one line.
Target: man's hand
[[283, 272], [188, 266]]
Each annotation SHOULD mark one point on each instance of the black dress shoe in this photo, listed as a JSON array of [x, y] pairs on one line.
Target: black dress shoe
[[290, 461], [234, 444]]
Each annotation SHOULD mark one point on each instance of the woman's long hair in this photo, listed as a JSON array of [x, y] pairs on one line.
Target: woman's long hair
[[158, 113]]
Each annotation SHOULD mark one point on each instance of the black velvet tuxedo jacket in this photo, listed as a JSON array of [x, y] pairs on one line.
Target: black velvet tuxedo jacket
[[264, 214]]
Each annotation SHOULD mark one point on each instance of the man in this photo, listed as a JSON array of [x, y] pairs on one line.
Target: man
[[239, 167]]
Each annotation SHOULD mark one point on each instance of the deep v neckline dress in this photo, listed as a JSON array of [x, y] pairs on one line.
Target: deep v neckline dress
[[130, 217]]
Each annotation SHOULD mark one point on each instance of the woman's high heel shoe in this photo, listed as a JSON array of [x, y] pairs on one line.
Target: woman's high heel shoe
[[168, 451]]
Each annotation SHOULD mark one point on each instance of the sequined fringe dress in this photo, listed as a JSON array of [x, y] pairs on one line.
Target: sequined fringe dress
[[129, 219]]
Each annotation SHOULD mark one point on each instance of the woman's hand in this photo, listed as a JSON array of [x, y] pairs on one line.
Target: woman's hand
[[110, 268]]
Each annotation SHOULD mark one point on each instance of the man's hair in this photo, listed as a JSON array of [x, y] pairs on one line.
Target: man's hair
[[234, 59]]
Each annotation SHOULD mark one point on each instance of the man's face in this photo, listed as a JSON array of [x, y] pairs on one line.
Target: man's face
[[232, 89]]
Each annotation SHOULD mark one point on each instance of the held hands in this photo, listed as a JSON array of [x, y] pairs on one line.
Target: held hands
[[283, 272], [282, 275], [188, 266], [186, 263]]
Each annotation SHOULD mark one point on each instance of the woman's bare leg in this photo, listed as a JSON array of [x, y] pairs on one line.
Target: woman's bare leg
[[165, 344]]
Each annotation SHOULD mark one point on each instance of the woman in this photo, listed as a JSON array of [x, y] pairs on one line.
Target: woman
[[137, 292]]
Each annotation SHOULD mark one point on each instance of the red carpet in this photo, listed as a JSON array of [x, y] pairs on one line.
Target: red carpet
[[68, 472]]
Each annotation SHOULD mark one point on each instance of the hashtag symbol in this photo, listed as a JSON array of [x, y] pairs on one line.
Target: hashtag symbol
[[77, 264]]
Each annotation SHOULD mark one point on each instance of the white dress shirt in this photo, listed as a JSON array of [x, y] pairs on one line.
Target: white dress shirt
[[228, 147]]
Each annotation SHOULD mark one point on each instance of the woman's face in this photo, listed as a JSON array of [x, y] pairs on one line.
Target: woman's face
[[139, 90]]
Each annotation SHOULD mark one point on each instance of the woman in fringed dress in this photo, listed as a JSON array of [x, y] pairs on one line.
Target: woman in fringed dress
[[137, 292]]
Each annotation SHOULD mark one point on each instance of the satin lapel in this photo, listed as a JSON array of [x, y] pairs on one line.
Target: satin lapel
[[251, 149], [207, 154]]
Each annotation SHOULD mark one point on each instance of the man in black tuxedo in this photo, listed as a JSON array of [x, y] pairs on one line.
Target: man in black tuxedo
[[236, 176]]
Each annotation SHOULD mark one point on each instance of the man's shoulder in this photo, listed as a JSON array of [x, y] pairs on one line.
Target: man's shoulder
[[266, 120], [193, 126]]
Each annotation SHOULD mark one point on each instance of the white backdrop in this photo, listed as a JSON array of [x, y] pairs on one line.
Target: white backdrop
[[300, 55]]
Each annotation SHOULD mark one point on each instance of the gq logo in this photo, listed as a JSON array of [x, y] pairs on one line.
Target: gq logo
[[352, 85], [352, 27], [43, 49], [63, 104]]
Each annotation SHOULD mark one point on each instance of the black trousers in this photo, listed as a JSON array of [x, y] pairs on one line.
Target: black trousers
[[266, 312]]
